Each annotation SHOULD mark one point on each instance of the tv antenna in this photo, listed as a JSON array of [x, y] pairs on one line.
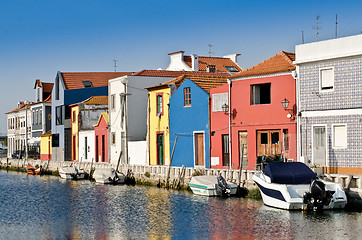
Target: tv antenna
[[336, 25], [115, 64], [317, 28]]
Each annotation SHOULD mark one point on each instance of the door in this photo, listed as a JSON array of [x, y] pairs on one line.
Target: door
[[243, 147], [268, 142], [103, 149], [319, 145], [199, 149], [74, 148], [97, 157], [160, 150], [225, 150]]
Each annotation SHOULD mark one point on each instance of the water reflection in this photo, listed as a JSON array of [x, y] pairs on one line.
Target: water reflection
[[33, 207]]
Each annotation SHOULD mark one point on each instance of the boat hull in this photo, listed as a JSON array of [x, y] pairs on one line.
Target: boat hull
[[290, 197], [71, 173], [206, 186]]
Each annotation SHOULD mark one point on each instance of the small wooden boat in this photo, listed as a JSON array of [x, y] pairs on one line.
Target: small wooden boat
[[30, 169], [108, 176], [212, 185], [72, 173]]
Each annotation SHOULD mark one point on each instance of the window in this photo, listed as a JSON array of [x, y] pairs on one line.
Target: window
[[59, 115], [326, 78], [286, 139], [33, 120], [113, 101], [74, 117], [113, 138], [159, 104], [218, 100], [263, 138], [340, 136], [231, 69], [55, 140], [225, 149], [40, 116], [260, 94], [86, 147], [187, 97]]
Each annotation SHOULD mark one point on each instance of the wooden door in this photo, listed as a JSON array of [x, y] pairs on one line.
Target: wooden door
[[268, 142], [225, 150], [199, 149], [243, 142]]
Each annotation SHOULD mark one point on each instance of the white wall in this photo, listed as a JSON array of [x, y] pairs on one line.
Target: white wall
[[329, 49], [137, 153], [91, 145]]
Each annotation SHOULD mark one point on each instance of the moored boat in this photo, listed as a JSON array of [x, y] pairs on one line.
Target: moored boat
[[72, 173], [212, 185], [31, 170], [294, 186], [108, 176]]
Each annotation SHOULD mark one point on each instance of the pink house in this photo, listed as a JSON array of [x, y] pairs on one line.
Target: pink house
[[247, 115], [101, 138]]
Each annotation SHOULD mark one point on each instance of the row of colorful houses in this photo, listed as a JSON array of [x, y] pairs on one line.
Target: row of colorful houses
[[208, 112]]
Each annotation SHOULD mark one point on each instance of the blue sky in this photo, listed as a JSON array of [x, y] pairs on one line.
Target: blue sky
[[40, 37]]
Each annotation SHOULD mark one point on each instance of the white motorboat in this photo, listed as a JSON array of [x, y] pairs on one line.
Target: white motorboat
[[108, 176], [294, 186], [72, 173], [212, 185]]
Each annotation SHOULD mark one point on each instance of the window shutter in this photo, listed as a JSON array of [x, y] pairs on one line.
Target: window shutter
[[327, 78]]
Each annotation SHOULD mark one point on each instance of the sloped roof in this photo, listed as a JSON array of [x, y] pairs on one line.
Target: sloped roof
[[218, 62], [280, 62], [205, 82], [48, 134], [105, 116], [73, 80], [47, 87], [48, 99], [166, 73], [94, 100], [22, 107]]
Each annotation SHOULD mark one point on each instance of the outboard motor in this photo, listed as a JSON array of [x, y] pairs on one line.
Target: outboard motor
[[318, 196], [221, 187]]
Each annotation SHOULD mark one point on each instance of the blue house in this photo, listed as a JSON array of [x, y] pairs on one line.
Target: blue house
[[70, 88], [189, 121]]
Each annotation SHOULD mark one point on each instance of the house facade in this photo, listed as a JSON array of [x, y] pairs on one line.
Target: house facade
[[247, 117], [19, 127], [330, 107], [189, 122], [84, 116], [70, 88], [101, 138]]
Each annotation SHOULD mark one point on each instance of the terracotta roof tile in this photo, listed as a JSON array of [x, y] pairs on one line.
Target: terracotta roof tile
[[166, 73], [48, 134], [22, 107], [47, 87], [280, 62], [73, 80], [205, 82], [218, 62], [96, 100]]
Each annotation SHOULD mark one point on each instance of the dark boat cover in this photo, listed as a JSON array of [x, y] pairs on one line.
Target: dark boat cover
[[289, 173]]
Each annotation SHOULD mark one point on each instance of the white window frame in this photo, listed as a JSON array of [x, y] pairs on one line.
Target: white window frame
[[320, 79], [113, 102], [326, 140], [333, 140]]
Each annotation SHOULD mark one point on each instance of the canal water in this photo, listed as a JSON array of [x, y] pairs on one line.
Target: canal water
[[46, 207]]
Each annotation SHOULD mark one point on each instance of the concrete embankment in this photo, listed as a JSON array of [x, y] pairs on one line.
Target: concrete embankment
[[180, 176]]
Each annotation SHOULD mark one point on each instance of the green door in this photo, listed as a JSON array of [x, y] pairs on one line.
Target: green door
[[160, 149]]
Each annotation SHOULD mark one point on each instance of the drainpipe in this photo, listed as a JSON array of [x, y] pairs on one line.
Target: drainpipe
[[124, 82], [297, 93], [230, 151]]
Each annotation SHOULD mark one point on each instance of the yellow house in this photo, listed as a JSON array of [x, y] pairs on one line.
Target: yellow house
[[75, 131], [158, 117], [46, 146]]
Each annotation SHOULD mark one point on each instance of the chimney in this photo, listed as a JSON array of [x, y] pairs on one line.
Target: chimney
[[194, 62], [233, 57]]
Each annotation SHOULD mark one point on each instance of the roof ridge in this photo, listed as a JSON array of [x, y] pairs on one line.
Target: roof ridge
[[285, 55]]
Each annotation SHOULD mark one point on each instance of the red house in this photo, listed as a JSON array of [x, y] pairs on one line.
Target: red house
[[101, 138], [247, 115]]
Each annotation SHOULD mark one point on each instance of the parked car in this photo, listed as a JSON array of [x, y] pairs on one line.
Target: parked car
[[16, 154]]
